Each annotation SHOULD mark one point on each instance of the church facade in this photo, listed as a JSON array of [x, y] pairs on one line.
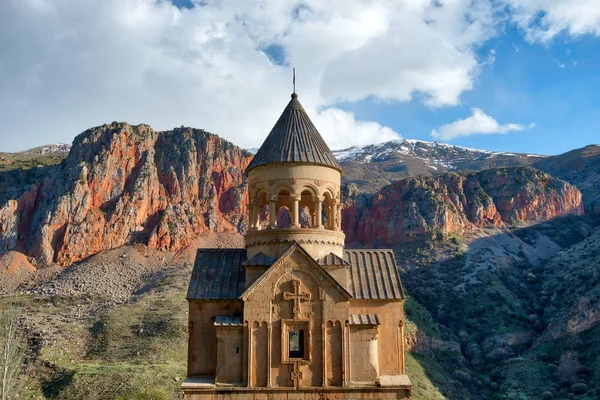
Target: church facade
[[295, 315]]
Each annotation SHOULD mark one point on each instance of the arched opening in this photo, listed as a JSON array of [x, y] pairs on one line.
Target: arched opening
[[264, 216], [283, 209], [259, 213], [306, 216], [328, 212]]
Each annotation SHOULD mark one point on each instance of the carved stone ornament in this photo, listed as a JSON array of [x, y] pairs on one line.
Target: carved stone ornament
[[319, 182], [293, 181], [276, 311]]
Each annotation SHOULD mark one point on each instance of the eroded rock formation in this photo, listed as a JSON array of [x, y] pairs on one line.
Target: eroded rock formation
[[125, 184], [426, 207]]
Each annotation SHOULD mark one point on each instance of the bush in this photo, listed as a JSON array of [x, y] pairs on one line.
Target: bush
[[547, 396], [579, 388], [584, 371]]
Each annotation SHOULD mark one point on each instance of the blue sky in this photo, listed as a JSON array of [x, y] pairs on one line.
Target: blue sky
[[508, 75], [554, 86]]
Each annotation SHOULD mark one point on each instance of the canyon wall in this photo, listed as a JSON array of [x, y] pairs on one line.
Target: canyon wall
[[126, 184], [423, 207]]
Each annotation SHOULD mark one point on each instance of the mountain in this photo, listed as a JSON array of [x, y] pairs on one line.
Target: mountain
[[428, 208], [581, 167], [123, 184], [374, 166]]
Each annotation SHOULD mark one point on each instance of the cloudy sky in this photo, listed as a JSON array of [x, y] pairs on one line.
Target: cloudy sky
[[513, 75]]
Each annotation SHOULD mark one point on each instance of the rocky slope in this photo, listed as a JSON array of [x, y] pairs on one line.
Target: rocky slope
[[580, 167], [125, 184], [420, 208]]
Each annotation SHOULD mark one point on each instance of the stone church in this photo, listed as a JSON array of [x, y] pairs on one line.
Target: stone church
[[294, 315]]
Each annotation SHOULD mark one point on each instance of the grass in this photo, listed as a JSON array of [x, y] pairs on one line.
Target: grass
[[423, 387], [11, 161], [136, 350]]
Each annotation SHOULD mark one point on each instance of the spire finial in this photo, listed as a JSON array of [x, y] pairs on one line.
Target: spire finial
[[294, 78]]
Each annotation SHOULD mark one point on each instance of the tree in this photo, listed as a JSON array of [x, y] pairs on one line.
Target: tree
[[12, 351]]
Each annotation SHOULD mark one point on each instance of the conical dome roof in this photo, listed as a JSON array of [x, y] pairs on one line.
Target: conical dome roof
[[294, 139]]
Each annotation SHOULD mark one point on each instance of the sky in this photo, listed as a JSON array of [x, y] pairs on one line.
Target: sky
[[504, 75]]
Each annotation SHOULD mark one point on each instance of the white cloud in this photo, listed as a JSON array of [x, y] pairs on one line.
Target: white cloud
[[344, 131], [479, 123], [542, 20], [66, 65]]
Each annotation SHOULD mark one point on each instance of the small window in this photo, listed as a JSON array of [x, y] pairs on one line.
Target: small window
[[296, 343]]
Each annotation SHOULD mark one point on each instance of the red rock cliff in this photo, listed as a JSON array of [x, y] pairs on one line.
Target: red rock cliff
[[124, 184], [425, 207]]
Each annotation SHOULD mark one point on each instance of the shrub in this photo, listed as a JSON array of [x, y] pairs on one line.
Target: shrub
[[547, 396], [584, 371], [579, 388]]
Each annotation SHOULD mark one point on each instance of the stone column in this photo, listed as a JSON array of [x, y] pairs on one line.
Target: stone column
[[246, 355], [345, 355], [334, 217], [250, 352], [269, 346], [295, 211], [255, 225], [319, 213], [324, 342], [272, 212]]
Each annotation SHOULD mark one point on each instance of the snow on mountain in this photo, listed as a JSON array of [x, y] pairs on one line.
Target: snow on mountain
[[49, 149], [435, 155]]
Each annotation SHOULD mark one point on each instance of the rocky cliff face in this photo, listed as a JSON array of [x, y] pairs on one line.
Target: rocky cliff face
[[126, 184], [427, 207]]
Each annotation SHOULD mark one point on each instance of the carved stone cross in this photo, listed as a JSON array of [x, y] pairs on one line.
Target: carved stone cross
[[296, 375], [296, 297]]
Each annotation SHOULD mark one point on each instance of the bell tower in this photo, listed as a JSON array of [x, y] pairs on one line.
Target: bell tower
[[294, 190]]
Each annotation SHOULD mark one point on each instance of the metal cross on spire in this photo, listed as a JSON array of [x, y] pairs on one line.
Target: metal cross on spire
[[294, 79]]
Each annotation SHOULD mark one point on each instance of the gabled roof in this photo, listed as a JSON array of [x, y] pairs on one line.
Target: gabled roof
[[294, 139], [259, 260], [295, 247], [332, 259], [217, 274], [364, 319], [373, 274]]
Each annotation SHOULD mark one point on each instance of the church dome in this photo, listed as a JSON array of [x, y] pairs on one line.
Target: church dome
[[294, 139]]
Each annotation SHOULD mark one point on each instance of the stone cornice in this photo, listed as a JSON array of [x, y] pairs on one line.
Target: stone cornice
[[290, 235]]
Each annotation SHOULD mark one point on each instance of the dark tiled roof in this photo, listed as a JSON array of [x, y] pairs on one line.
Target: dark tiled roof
[[217, 274], [228, 320], [364, 319], [333, 260], [294, 139], [373, 274], [260, 260]]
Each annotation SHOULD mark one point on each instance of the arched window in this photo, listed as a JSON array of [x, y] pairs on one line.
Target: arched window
[[264, 217], [328, 218], [296, 343], [304, 217], [283, 207]]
